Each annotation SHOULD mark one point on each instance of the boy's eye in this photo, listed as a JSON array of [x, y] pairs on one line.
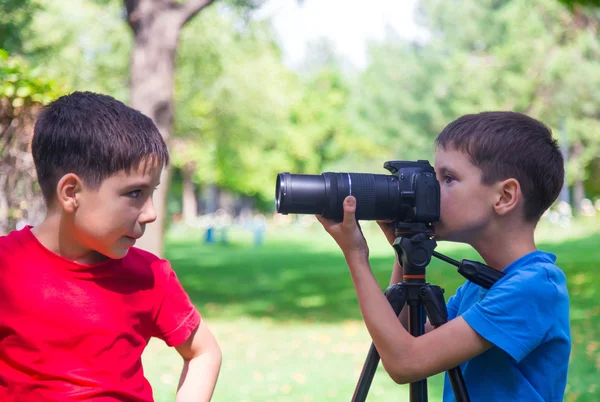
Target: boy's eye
[[134, 193], [448, 179]]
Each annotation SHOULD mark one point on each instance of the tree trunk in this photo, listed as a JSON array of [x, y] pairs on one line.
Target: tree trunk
[[578, 195], [578, 191], [190, 203], [156, 25]]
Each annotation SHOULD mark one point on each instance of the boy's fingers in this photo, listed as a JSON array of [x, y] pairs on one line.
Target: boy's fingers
[[349, 210], [327, 223], [383, 224], [322, 220]]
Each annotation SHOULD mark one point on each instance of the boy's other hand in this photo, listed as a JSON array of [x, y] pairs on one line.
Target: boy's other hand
[[347, 234], [387, 227]]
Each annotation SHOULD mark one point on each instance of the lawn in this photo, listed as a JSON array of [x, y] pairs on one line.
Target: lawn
[[287, 319]]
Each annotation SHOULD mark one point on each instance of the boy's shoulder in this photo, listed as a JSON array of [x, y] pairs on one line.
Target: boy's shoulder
[[533, 276], [14, 242], [539, 265], [21, 245], [147, 262], [142, 257]]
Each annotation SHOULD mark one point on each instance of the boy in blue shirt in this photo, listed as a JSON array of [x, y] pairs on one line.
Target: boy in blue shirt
[[498, 173]]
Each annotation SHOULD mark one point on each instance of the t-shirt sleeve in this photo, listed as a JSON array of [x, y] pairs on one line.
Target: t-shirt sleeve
[[176, 317], [516, 313]]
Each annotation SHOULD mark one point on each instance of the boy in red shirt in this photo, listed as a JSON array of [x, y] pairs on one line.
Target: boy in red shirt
[[78, 302]]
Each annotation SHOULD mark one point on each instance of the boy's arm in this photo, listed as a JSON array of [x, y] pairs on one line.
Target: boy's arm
[[201, 364], [405, 358]]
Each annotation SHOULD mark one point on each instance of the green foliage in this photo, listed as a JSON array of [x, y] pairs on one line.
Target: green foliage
[[22, 92], [15, 24], [242, 116], [23, 85], [586, 3], [87, 45], [320, 132], [400, 103], [231, 90], [523, 55]]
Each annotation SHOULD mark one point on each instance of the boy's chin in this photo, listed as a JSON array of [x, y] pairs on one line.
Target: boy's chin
[[442, 235], [438, 231], [117, 254]]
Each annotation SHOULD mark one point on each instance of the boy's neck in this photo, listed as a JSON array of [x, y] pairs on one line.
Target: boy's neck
[[501, 248], [54, 234]]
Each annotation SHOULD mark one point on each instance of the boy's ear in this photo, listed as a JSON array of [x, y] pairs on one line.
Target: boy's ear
[[67, 190], [509, 195]]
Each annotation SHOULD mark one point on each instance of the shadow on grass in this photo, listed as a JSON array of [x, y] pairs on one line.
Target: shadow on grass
[[293, 282]]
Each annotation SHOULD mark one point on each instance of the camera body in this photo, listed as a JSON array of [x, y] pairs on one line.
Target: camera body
[[410, 194]]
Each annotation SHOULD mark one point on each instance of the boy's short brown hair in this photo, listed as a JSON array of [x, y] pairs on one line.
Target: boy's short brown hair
[[93, 136], [511, 145]]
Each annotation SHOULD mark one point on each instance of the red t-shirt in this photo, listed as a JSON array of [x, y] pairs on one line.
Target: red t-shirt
[[73, 332]]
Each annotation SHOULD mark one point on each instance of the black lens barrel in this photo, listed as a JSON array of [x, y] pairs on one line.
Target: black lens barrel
[[410, 194], [300, 194], [377, 196]]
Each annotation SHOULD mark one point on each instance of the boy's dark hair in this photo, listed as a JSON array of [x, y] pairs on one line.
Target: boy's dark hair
[[93, 136], [511, 145]]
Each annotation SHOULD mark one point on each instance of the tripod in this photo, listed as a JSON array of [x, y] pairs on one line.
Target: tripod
[[415, 246]]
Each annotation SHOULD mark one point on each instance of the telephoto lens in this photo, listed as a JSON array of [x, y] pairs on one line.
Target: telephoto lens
[[393, 197]]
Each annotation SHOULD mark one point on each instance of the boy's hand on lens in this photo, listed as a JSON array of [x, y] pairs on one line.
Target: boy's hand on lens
[[387, 227], [347, 234]]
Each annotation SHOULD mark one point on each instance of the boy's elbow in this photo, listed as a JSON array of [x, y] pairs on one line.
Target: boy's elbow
[[399, 378], [212, 355], [400, 373], [217, 355]]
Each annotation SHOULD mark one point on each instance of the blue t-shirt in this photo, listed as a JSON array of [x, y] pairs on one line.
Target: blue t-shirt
[[526, 316]]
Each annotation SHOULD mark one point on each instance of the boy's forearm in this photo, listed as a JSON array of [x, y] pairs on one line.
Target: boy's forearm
[[199, 377], [397, 276], [388, 335]]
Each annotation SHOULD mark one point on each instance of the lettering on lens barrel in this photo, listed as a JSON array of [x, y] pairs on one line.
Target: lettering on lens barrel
[[410, 194]]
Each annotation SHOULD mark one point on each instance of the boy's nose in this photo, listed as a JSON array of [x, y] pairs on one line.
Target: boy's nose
[[148, 214]]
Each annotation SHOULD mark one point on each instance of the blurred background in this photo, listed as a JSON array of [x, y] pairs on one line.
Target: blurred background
[[242, 90]]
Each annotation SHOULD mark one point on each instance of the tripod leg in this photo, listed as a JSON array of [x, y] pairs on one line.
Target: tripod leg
[[432, 297], [366, 375], [396, 295], [416, 321]]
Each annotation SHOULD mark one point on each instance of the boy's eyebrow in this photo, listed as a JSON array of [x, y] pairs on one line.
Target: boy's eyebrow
[[142, 185], [444, 169]]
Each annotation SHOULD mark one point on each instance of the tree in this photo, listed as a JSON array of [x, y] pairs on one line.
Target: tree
[[234, 96], [573, 3], [15, 25], [156, 25], [23, 90], [528, 56]]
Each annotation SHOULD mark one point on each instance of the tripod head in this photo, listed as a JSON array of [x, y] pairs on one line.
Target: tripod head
[[415, 246]]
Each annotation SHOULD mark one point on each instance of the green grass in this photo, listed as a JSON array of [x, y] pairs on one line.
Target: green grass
[[287, 319]]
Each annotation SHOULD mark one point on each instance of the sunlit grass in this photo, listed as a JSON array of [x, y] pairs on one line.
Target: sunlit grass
[[286, 315]]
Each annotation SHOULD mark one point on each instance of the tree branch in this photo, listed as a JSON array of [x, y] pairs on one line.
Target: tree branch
[[191, 8], [133, 17]]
